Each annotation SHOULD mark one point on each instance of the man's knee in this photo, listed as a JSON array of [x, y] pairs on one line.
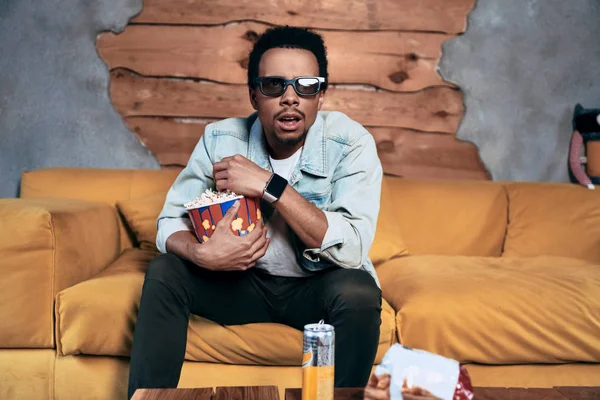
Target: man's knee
[[354, 289], [165, 268], [167, 275]]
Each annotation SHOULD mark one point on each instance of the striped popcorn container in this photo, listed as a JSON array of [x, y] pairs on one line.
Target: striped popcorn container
[[205, 218]]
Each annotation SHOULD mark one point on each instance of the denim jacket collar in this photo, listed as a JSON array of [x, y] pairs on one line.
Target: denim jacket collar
[[313, 159]]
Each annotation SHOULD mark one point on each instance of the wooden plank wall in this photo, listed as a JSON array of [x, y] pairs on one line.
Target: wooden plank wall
[[181, 64]]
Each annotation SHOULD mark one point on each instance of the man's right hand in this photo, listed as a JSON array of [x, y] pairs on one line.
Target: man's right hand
[[225, 251]]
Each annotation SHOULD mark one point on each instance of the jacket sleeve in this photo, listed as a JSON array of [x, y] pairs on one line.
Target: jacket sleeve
[[353, 211], [193, 180]]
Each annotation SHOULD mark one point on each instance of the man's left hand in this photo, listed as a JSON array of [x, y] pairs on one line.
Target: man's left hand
[[240, 175], [378, 387]]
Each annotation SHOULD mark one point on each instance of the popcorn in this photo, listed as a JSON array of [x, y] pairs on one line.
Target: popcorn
[[211, 197]]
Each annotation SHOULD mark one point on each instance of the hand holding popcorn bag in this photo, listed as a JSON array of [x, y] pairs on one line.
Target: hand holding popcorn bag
[[209, 208], [418, 374]]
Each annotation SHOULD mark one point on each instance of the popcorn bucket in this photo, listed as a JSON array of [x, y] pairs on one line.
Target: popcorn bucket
[[205, 218]]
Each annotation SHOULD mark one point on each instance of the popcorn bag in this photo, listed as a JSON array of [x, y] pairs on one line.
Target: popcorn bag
[[208, 209], [443, 377]]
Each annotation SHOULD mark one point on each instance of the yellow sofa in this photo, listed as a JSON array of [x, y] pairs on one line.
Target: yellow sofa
[[502, 276]]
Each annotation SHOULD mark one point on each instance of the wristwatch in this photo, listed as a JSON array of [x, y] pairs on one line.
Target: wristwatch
[[274, 188]]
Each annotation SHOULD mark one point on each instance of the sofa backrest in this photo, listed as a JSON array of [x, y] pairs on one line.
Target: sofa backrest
[[435, 217], [484, 218], [553, 219], [451, 217], [479, 218], [96, 184]]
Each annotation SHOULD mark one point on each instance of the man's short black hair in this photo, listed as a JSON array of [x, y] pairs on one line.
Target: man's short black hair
[[288, 37]]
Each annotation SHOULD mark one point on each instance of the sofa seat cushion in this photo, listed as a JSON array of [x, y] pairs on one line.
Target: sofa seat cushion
[[97, 317], [496, 310]]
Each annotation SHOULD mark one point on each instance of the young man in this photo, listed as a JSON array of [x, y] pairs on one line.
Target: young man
[[319, 176]]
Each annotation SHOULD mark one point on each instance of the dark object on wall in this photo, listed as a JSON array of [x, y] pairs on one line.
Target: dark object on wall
[[586, 134]]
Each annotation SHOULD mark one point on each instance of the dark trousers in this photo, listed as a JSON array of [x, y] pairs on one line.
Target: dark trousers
[[173, 289]]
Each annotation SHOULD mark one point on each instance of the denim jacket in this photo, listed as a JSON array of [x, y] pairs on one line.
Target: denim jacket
[[339, 172]]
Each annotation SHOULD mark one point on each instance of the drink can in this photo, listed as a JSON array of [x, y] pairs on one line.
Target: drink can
[[318, 362]]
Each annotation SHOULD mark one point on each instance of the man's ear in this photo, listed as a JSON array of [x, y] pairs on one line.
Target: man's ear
[[252, 94], [321, 99]]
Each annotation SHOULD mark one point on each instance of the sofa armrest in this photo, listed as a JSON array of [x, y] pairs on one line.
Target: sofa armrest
[[47, 245]]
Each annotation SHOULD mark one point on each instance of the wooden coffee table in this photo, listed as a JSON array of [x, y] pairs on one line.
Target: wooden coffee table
[[555, 393], [235, 393], [271, 393], [173, 394], [222, 393], [340, 394], [481, 393]]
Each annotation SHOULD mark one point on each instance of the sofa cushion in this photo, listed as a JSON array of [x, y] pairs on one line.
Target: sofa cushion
[[450, 217], [97, 317], [497, 310], [47, 245], [27, 374], [553, 219], [141, 214], [388, 242], [97, 184]]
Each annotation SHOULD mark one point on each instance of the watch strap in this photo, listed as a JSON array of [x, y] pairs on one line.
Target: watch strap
[[274, 188]]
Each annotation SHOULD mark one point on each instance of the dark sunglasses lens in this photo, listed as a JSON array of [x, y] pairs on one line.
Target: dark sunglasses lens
[[307, 86], [272, 86]]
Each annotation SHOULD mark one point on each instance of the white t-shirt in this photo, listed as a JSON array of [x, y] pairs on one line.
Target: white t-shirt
[[280, 259]]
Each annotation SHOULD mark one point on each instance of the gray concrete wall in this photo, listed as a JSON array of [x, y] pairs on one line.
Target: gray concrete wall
[[523, 65], [54, 104]]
